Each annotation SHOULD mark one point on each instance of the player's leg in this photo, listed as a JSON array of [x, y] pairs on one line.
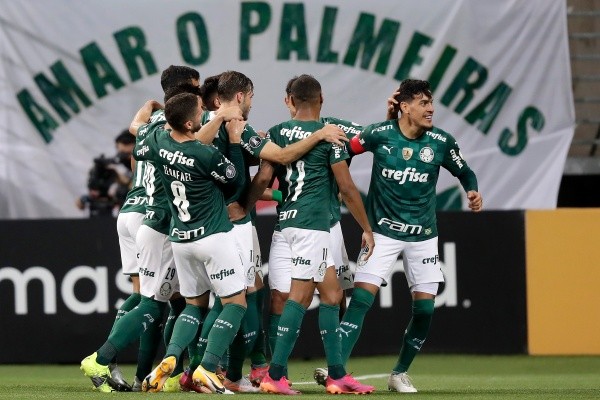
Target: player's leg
[[258, 360], [128, 224], [337, 247], [330, 294], [127, 228], [423, 283], [225, 272], [308, 255], [280, 272], [246, 336], [370, 275], [186, 326], [149, 311]]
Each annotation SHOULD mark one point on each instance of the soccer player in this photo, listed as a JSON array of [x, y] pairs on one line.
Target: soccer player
[[158, 279], [407, 155], [206, 253], [279, 281], [304, 222]]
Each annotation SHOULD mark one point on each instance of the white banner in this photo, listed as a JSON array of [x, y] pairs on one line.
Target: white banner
[[73, 73]]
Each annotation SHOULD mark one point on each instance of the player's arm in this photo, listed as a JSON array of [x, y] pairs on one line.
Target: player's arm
[[329, 133], [230, 174], [272, 195], [353, 201], [457, 166], [143, 115], [259, 184], [207, 133]]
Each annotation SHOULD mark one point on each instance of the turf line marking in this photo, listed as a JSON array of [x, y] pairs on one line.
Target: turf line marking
[[372, 376]]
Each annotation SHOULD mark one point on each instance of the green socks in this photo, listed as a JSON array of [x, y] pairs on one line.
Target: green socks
[[222, 334], [257, 355], [185, 330], [249, 328], [329, 324], [177, 306], [351, 325], [287, 333], [210, 319], [129, 328], [415, 334], [273, 324], [128, 305], [149, 342]]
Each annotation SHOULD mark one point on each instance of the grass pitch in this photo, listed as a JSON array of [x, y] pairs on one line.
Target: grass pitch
[[435, 376]]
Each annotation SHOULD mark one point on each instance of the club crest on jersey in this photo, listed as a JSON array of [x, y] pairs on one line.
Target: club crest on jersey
[[407, 153], [426, 154], [322, 268], [230, 171], [255, 141], [166, 289]]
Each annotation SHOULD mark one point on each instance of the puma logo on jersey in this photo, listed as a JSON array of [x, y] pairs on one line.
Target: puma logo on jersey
[[389, 149]]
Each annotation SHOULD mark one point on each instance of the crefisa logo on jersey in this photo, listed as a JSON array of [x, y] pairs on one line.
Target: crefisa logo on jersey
[[426, 154], [407, 153]]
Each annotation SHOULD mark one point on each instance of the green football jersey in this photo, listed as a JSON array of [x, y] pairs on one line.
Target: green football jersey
[[158, 214], [135, 201], [350, 129], [192, 174], [401, 202], [306, 183], [251, 141]]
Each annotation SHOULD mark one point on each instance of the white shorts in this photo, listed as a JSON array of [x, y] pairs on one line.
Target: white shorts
[[212, 263], [158, 276], [243, 234], [340, 257], [127, 227], [280, 266], [420, 259], [257, 254], [310, 254]]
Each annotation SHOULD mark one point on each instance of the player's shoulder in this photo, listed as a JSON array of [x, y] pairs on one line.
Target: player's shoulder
[[350, 128], [379, 131], [440, 135]]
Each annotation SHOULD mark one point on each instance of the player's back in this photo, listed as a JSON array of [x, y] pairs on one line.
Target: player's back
[[305, 183], [190, 181]]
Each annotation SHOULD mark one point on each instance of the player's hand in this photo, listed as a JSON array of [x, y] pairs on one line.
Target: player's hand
[[235, 211], [367, 243], [393, 106], [235, 127], [230, 113], [475, 200], [333, 134]]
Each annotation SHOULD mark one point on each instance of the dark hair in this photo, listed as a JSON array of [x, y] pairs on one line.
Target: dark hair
[[288, 87], [305, 89], [186, 87], [125, 137], [410, 88], [209, 89], [181, 108], [177, 74], [232, 82]]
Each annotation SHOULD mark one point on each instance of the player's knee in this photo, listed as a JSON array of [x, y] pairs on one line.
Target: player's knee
[[423, 307], [332, 297], [278, 300]]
